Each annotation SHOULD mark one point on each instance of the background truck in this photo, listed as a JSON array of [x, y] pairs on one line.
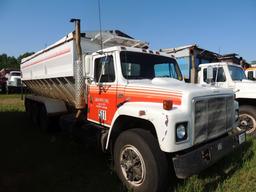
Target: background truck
[[13, 83], [147, 117], [2, 84], [10, 80], [229, 75], [192, 59], [251, 73]]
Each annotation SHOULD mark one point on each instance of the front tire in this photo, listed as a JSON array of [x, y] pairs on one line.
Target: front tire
[[247, 119], [139, 162]]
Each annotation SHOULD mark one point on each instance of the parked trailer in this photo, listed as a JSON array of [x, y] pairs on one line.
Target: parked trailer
[[149, 118]]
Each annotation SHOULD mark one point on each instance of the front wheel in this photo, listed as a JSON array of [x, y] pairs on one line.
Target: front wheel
[[247, 119], [139, 162]]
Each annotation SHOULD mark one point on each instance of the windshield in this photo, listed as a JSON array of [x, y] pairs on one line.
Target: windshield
[[236, 73], [148, 66], [15, 74]]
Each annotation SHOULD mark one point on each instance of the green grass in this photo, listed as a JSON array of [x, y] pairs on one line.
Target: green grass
[[11, 103], [236, 172], [31, 160]]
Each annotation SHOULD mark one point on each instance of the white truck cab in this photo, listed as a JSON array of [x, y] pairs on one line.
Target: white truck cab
[[229, 75]]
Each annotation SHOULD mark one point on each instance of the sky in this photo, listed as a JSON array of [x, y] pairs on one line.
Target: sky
[[221, 26]]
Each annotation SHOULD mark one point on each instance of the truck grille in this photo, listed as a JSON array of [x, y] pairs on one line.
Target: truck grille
[[18, 81], [213, 117]]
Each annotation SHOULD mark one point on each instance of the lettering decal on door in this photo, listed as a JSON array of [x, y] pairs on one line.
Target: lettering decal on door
[[101, 103]]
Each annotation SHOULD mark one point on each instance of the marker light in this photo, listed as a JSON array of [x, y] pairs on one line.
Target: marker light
[[167, 104]]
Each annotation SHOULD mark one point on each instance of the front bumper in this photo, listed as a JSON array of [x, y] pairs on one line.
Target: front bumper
[[195, 161]]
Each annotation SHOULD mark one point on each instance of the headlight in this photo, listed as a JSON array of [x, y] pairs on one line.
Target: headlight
[[181, 132]]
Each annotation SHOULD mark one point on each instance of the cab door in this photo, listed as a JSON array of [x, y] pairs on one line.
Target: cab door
[[102, 100], [219, 77]]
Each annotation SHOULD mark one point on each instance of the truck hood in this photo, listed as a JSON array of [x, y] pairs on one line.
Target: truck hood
[[245, 89], [167, 88]]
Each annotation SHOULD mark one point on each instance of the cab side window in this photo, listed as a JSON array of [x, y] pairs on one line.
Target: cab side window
[[250, 75], [104, 69], [216, 71]]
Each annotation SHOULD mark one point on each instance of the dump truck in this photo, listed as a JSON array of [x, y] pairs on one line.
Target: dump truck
[[149, 119]]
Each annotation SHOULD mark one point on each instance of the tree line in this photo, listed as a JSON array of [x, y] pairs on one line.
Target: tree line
[[12, 62]]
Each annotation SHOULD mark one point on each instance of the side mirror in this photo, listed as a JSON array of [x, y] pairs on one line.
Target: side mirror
[[87, 65], [209, 75], [250, 75]]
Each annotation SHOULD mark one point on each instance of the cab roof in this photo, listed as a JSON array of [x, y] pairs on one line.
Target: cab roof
[[219, 64]]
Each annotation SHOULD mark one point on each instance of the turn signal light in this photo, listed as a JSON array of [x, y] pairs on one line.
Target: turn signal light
[[167, 104]]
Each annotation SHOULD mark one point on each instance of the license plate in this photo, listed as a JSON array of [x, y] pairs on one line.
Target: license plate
[[241, 138]]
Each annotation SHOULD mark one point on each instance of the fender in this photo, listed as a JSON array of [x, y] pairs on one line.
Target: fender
[[53, 106], [246, 95], [152, 112]]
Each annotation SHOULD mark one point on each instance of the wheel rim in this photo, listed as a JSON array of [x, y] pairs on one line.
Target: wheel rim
[[132, 165], [247, 123]]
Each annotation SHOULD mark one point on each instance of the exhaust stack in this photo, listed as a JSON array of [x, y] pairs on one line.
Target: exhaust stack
[[78, 69]]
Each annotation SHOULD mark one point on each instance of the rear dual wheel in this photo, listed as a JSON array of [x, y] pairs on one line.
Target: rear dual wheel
[[139, 162], [34, 111], [44, 122], [38, 114]]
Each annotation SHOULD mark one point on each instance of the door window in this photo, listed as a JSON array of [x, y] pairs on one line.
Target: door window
[[219, 72], [104, 69]]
